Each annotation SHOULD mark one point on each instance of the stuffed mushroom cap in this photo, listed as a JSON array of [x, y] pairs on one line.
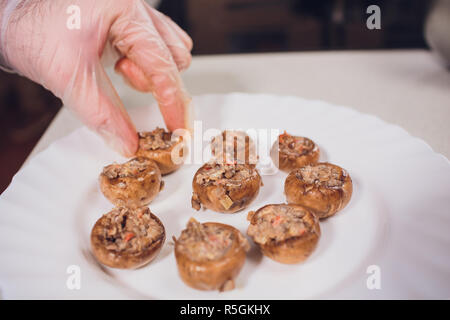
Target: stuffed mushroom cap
[[127, 238], [325, 188], [210, 255], [234, 146], [134, 183], [285, 233], [291, 152], [163, 148], [226, 188]]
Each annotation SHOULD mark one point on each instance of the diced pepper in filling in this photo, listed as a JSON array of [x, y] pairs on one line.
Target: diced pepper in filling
[[130, 230], [277, 223], [202, 242], [128, 236]]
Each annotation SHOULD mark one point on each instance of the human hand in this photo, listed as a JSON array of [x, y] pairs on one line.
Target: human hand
[[150, 48]]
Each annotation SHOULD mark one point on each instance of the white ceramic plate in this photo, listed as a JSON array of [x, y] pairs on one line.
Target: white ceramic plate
[[398, 219]]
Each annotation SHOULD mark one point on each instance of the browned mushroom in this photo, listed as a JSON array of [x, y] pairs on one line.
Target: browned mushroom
[[210, 255], [284, 233], [127, 238], [133, 184], [324, 187], [291, 152], [158, 145], [231, 146], [225, 188]]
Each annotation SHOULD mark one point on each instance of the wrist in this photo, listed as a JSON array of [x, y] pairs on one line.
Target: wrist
[[6, 9], [19, 19]]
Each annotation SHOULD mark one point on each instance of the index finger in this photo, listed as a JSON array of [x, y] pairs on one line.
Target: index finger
[[137, 38]]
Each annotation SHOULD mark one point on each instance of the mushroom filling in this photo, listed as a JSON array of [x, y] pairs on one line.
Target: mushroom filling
[[224, 174], [295, 146], [131, 169], [322, 175], [201, 242], [278, 223], [130, 230], [225, 177], [156, 139]]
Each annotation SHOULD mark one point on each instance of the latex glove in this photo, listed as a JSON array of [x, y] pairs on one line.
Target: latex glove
[[36, 42]]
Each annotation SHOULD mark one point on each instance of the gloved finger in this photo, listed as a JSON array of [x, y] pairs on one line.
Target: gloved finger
[[138, 40], [98, 105], [180, 32], [177, 45], [133, 75]]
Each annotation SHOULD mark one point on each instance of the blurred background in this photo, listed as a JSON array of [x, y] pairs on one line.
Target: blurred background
[[227, 27]]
